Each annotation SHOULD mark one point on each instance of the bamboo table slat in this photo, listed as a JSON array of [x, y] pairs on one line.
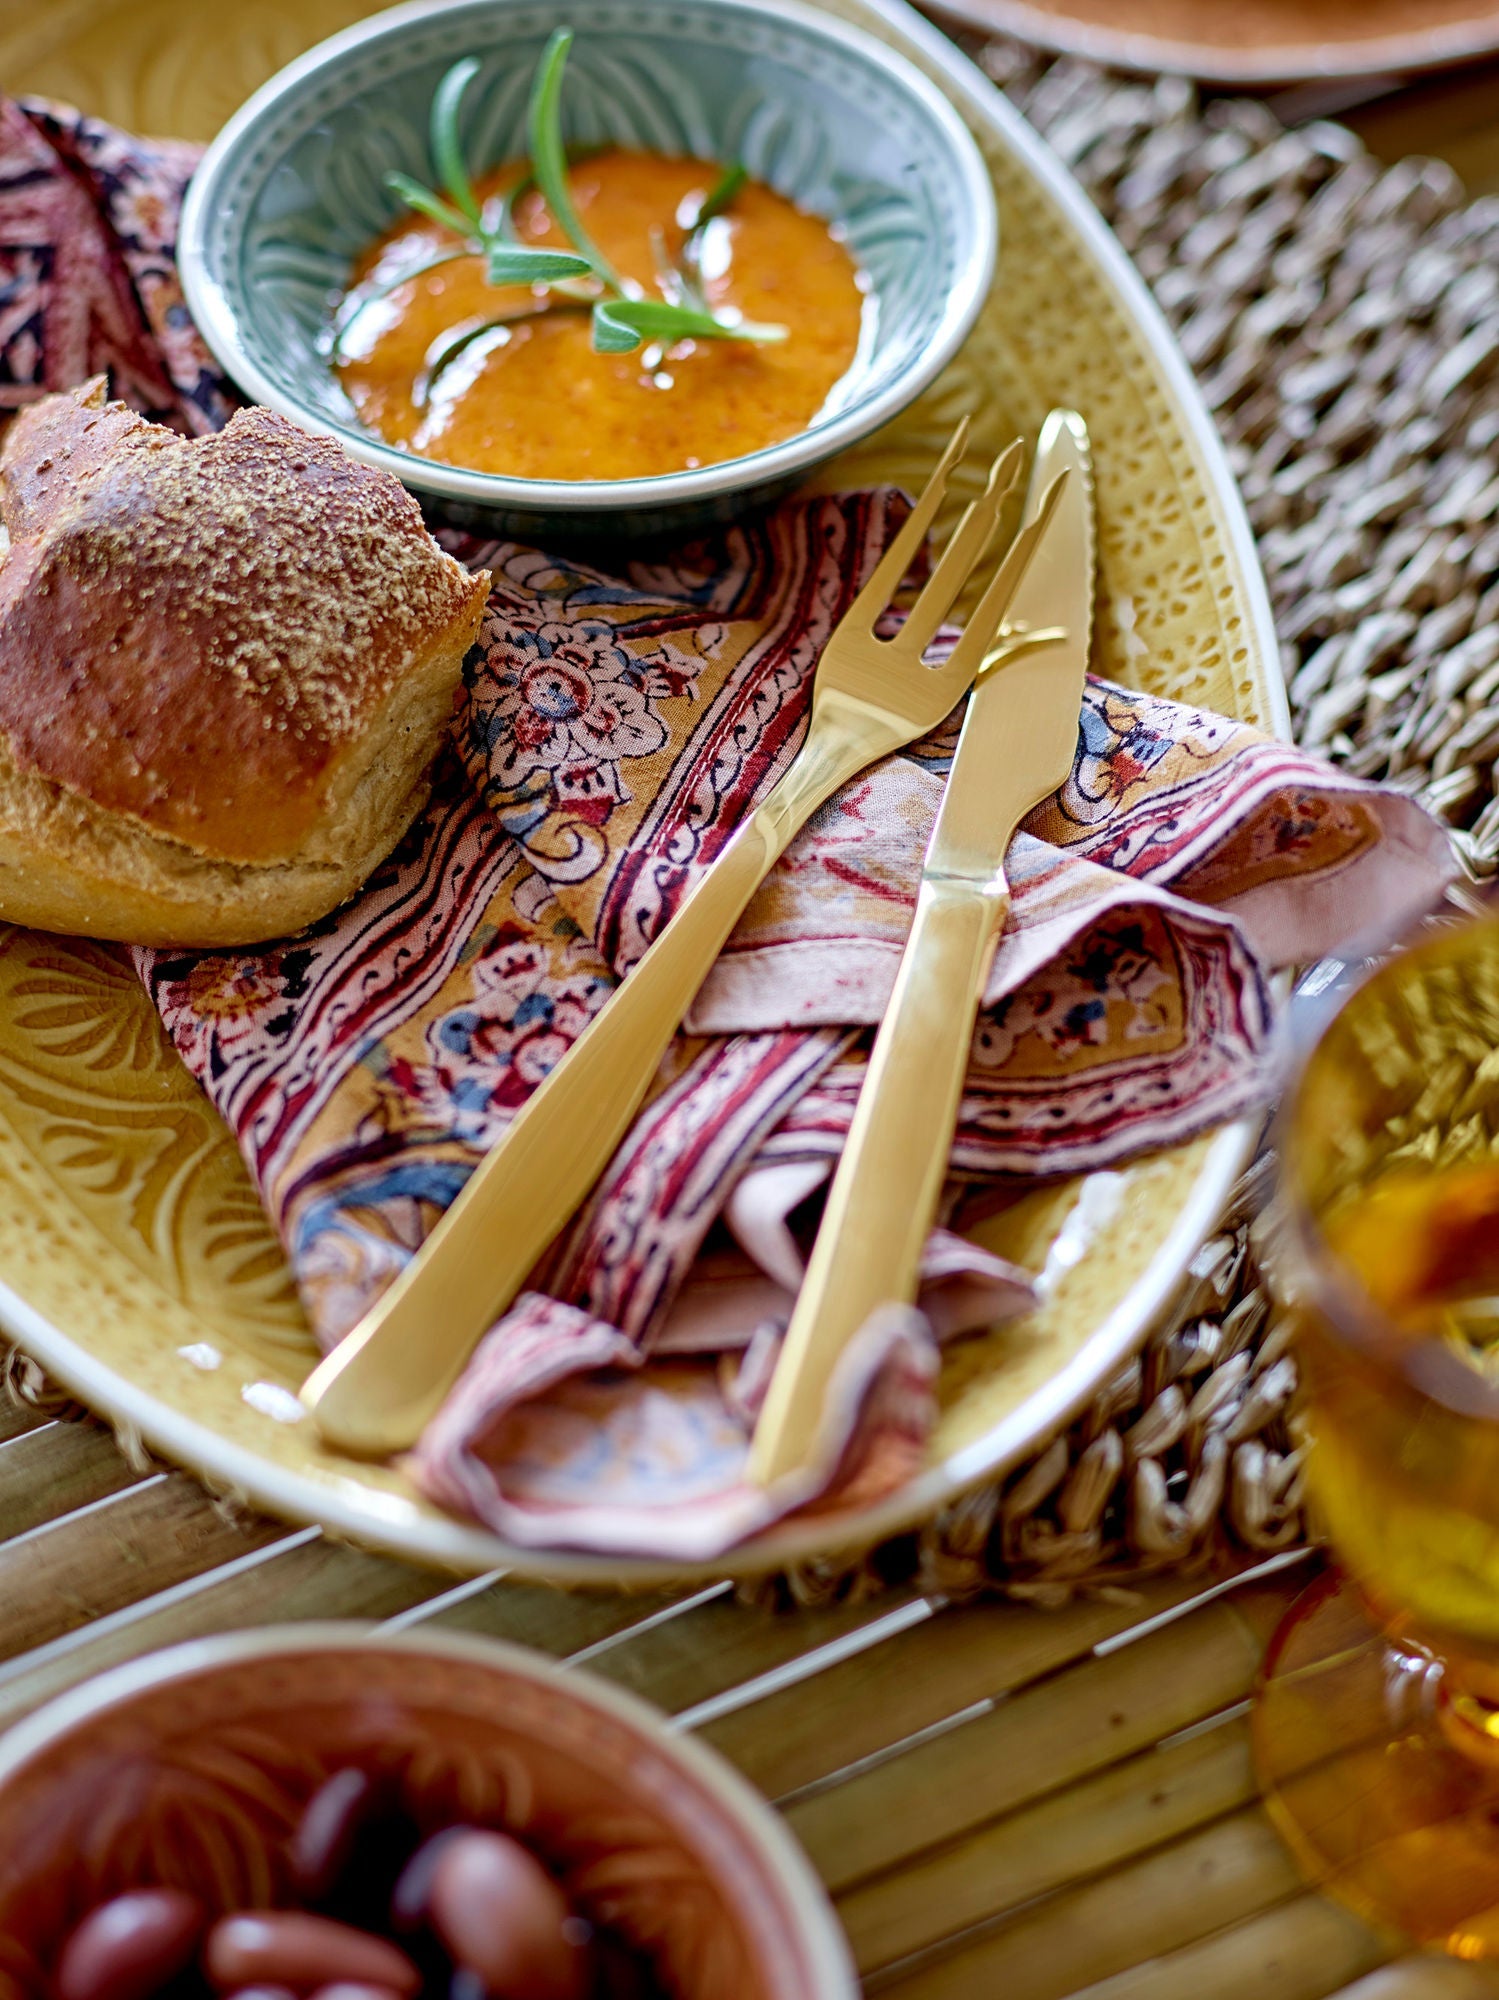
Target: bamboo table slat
[[1002, 1800]]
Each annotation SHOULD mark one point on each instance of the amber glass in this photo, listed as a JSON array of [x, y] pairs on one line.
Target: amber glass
[[1377, 1720]]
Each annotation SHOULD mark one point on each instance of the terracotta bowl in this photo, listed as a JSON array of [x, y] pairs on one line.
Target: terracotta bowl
[[189, 1769]]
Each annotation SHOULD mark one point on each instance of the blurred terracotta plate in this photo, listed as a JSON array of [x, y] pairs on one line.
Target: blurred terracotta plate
[[135, 1262], [1249, 41]]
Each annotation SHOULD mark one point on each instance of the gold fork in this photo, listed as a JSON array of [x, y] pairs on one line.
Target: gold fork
[[375, 1393]]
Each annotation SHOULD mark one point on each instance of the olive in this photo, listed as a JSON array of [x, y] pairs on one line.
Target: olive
[[502, 1916], [288, 1948], [131, 1945], [329, 1825]]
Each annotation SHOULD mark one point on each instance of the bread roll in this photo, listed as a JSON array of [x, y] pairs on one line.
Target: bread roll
[[226, 666]]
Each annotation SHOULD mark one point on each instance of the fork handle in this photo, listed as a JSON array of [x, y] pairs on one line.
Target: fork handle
[[376, 1391], [885, 1192]]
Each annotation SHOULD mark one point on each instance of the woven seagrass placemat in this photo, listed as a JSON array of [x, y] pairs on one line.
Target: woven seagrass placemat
[[1343, 320]]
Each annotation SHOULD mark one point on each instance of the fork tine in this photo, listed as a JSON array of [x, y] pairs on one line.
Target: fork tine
[[969, 540], [897, 559], [979, 633]]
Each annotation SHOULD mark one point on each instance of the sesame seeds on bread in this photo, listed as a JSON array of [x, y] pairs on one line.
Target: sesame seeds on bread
[[226, 665]]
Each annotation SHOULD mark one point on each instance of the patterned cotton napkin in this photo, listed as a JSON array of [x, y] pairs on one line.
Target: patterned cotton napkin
[[614, 727]]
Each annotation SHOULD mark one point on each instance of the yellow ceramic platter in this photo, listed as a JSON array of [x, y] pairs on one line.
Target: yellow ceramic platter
[[134, 1260]]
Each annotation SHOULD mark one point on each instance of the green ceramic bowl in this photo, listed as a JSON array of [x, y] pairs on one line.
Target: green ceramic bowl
[[293, 189]]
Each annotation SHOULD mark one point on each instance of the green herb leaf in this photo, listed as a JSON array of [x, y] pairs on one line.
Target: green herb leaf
[[426, 203], [549, 156], [610, 333], [523, 264], [720, 196], [622, 324], [447, 147]]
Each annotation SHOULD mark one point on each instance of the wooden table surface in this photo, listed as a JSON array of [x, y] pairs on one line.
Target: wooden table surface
[[1004, 1801]]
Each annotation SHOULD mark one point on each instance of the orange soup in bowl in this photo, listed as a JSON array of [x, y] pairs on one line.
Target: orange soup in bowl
[[507, 379]]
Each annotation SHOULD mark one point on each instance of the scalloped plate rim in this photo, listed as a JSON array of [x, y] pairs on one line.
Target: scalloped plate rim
[[445, 1542]]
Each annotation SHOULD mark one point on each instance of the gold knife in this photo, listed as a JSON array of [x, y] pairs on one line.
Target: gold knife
[[1017, 745]]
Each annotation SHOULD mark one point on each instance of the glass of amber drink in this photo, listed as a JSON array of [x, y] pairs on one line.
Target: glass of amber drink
[[1377, 1720]]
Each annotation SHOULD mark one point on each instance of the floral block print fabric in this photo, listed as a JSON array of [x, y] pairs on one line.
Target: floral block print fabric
[[88, 277], [615, 725]]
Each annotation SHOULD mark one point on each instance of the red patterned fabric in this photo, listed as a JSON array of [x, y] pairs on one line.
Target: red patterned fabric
[[614, 727], [88, 281]]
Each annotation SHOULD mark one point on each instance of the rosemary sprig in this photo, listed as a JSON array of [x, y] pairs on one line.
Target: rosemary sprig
[[549, 157], [506, 260], [447, 146], [426, 203], [622, 317], [488, 232]]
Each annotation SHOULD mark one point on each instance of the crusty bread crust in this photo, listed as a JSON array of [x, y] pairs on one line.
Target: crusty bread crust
[[226, 666], [67, 864]]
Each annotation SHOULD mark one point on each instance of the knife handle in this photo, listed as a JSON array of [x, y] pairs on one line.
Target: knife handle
[[376, 1391], [885, 1192]]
